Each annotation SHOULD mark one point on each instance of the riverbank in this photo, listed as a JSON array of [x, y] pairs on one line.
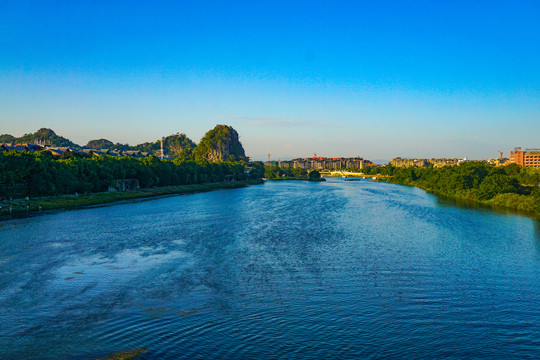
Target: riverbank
[[354, 176], [295, 178], [522, 204], [23, 206]]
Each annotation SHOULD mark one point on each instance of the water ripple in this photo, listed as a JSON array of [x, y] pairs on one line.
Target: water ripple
[[286, 270]]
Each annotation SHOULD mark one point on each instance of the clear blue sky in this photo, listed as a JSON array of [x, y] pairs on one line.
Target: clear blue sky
[[371, 78]]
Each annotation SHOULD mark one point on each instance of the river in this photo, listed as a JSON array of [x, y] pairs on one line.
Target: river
[[284, 270]]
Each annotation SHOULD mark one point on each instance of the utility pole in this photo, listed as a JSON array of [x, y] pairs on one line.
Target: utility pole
[[161, 148]]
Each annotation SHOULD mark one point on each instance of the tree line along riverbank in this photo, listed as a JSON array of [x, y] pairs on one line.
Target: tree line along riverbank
[[514, 187], [274, 172], [25, 174], [39, 180], [33, 181]]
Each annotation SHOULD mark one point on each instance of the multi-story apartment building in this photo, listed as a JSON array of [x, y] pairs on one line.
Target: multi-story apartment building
[[444, 162], [322, 163], [527, 157], [285, 164], [399, 162]]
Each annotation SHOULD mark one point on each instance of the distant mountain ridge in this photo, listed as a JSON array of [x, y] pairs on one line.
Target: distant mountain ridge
[[172, 144], [42, 135]]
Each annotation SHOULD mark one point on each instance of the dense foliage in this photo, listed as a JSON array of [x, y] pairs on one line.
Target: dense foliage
[[219, 144], [314, 175], [41, 174], [509, 186], [276, 172]]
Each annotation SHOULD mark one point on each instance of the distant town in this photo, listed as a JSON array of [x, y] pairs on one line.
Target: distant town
[[526, 157], [61, 150], [45, 164], [169, 147]]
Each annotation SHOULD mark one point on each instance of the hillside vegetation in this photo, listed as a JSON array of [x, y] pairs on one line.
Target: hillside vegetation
[[219, 144], [172, 144], [42, 134]]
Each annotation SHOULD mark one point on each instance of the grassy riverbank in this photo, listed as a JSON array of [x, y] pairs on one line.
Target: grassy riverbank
[[21, 206]]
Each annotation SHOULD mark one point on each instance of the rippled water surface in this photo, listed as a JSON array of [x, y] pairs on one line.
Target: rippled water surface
[[284, 270]]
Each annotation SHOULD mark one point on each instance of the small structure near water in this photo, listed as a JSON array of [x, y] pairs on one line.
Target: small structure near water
[[125, 185]]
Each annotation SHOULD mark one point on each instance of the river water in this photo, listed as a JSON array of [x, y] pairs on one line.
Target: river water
[[284, 270]]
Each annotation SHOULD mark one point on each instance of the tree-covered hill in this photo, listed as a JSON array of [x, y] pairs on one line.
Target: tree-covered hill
[[220, 144], [6, 138], [43, 134], [100, 144], [172, 145]]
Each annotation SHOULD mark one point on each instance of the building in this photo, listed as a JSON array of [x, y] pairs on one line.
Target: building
[[286, 164], [21, 147], [322, 163], [31, 147], [444, 162], [527, 157], [399, 162]]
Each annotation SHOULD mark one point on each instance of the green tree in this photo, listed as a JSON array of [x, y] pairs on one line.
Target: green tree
[[314, 175], [299, 172], [496, 184], [257, 171], [184, 155], [536, 195]]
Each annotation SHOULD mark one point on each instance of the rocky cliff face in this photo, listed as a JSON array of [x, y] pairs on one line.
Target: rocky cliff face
[[219, 144]]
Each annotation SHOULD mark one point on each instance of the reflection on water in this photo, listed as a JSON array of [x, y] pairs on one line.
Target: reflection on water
[[471, 204], [282, 270], [537, 235]]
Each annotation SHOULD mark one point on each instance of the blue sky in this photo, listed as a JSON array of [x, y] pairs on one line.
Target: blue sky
[[377, 79]]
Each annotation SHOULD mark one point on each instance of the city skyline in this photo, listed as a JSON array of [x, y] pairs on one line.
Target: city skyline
[[378, 80]]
